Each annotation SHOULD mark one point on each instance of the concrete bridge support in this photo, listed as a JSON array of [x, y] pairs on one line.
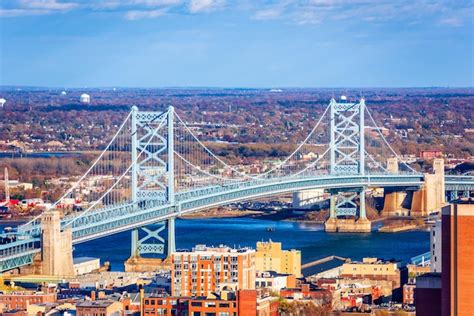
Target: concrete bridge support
[[396, 202], [344, 204], [151, 243], [56, 246], [432, 195]]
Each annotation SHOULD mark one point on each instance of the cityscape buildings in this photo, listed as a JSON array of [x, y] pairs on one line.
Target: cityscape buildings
[[236, 158], [269, 256], [205, 270]]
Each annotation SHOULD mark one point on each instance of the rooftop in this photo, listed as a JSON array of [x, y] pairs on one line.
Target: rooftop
[[98, 303], [84, 259], [202, 249], [321, 267]]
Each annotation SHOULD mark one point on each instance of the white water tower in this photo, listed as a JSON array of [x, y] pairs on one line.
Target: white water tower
[[85, 98], [2, 102]]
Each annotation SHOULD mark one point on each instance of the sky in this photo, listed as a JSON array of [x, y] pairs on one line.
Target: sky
[[225, 43]]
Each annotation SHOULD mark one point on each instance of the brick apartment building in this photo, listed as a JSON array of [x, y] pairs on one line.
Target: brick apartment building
[[205, 270], [21, 299], [451, 292], [242, 302], [99, 308], [457, 278]]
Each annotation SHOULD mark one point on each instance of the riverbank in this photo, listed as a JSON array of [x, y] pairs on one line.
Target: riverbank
[[391, 225]]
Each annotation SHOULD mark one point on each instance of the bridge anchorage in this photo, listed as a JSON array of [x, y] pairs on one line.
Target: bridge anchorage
[[155, 169]]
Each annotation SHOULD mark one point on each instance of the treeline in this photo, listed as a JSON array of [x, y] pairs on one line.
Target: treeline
[[37, 170]]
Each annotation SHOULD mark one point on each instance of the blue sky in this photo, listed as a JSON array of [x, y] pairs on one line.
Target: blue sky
[[224, 43]]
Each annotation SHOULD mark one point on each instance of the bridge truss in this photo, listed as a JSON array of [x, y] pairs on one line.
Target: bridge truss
[[156, 168]]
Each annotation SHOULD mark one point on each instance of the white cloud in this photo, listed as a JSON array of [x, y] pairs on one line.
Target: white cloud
[[52, 5], [36, 7], [268, 14], [444, 13], [196, 6], [134, 4], [154, 3], [21, 12], [454, 22], [144, 14]]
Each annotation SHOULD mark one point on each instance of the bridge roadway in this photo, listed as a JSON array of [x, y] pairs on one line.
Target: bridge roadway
[[126, 216]]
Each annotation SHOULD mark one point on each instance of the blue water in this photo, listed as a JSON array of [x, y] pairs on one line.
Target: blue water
[[313, 242]]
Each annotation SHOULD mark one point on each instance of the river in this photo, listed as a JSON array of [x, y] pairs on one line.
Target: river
[[313, 242]]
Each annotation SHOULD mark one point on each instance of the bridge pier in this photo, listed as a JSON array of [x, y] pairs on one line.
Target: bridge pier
[[151, 243], [395, 201], [343, 204], [432, 195]]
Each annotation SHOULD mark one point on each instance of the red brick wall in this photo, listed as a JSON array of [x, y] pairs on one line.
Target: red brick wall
[[247, 302], [457, 260], [19, 301]]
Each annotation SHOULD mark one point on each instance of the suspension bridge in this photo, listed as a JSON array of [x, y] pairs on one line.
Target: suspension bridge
[[156, 168]]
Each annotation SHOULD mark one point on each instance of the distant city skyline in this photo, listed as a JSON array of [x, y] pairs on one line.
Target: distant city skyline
[[218, 43]]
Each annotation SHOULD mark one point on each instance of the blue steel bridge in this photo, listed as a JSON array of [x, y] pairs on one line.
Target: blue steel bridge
[[155, 168]]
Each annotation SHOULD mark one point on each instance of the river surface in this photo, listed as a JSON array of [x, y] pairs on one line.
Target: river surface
[[313, 242]]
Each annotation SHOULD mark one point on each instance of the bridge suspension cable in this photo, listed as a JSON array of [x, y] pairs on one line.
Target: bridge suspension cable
[[375, 161], [89, 171], [387, 143], [261, 176], [163, 119], [204, 171], [312, 164]]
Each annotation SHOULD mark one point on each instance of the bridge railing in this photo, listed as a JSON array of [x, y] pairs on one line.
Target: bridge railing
[[18, 247]]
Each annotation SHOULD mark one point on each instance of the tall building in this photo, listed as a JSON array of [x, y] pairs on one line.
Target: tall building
[[435, 247], [270, 257], [205, 270], [457, 278]]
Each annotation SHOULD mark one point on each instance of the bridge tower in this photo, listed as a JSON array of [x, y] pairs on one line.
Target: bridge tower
[[56, 246], [347, 157], [152, 177]]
